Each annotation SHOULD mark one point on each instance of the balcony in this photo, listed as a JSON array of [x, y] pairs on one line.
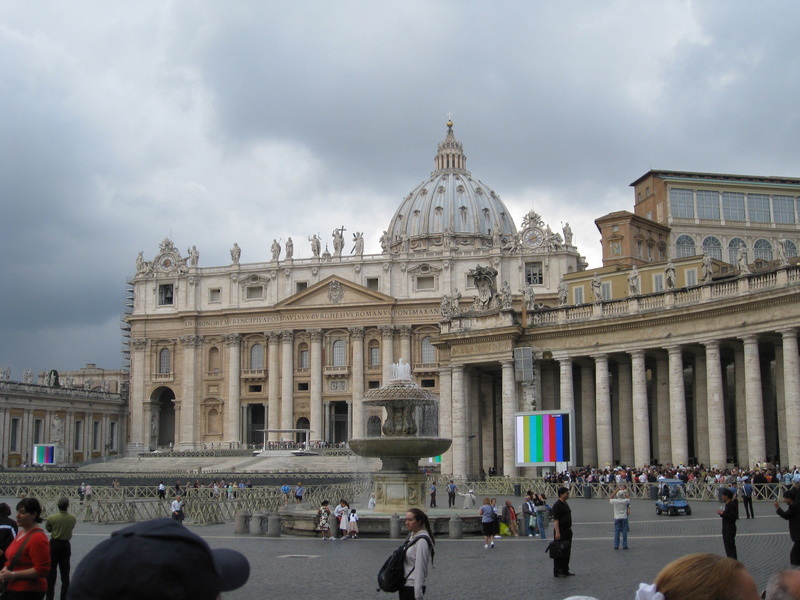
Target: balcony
[[163, 376], [333, 372], [213, 374], [254, 373], [425, 368]]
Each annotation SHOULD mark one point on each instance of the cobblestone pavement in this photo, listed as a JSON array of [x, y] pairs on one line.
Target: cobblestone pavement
[[516, 568]]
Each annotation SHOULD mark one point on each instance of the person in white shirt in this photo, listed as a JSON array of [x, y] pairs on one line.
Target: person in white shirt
[[622, 510]]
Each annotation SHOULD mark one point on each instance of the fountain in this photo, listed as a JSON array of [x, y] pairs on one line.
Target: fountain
[[400, 483]]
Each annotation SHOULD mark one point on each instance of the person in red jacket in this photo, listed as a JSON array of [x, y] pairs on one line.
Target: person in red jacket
[[27, 559]]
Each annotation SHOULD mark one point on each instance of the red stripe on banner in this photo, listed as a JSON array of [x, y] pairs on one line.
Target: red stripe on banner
[[553, 439]]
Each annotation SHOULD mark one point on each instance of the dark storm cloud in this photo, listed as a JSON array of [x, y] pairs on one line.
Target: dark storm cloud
[[212, 122]]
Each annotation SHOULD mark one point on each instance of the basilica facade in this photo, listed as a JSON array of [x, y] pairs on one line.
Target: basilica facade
[[663, 354]]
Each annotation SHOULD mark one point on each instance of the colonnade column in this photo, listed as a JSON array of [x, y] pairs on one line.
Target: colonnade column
[[641, 415], [565, 384], [405, 344], [387, 351], [191, 415], [287, 381], [459, 411], [756, 445], [605, 441], [446, 416], [700, 416], [625, 387], [662, 409], [357, 406], [677, 408], [315, 423], [232, 415], [588, 432], [509, 387], [140, 421], [715, 401], [791, 391], [272, 411]]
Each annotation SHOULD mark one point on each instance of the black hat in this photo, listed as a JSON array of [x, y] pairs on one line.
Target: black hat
[[157, 560]]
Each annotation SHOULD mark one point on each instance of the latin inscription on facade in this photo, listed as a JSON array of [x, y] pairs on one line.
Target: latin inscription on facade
[[345, 315], [481, 348]]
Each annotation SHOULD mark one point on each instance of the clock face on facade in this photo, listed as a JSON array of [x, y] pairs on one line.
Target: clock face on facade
[[532, 237], [167, 262]]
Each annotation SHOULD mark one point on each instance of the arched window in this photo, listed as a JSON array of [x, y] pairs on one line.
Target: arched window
[[684, 246], [791, 249], [214, 360], [213, 421], [302, 356], [339, 359], [733, 248], [374, 426], [257, 356], [374, 350], [165, 361], [762, 249], [713, 247], [428, 351]]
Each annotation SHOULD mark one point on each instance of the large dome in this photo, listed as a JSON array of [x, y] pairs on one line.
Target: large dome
[[450, 204]]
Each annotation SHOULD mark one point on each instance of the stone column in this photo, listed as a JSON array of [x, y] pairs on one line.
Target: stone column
[[588, 425], [641, 414], [405, 344], [287, 381], [459, 412], [677, 408], [756, 445], [234, 343], [605, 444], [139, 415], [662, 409], [715, 400], [315, 385], [626, 432], [387, 351], [509, 386], [740, 404], [446, 417], [357, 406], [565, 384], [272, 413], [701, 409], [791, 386], [190, 425]]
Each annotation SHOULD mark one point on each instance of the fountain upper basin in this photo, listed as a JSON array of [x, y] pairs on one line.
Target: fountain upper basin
[[388, 447]]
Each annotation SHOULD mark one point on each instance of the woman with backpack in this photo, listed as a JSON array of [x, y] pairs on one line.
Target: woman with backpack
[[418, 555]]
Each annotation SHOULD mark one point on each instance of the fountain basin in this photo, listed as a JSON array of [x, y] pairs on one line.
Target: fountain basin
[[400, 447]]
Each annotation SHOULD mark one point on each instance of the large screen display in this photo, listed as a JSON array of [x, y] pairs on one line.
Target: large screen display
[[543, 438]]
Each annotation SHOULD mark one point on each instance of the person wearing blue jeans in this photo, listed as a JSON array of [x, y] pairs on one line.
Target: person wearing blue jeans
[[540, 507], [622, 510]]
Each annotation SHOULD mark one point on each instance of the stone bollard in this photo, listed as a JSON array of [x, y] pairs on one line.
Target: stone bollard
[[274, 525], [241, 522], [455, 528], [394, 527], [257, 522]]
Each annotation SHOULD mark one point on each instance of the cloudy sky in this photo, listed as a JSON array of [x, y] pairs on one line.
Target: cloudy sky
[[217, 122]]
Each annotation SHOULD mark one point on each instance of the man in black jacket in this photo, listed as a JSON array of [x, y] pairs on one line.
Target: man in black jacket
[[729, 514], [8, 530], [562, 524], [791, 514]]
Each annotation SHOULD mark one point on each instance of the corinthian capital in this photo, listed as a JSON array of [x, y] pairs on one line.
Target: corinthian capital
[[356, 333], [139, 343], [315, 334], [387, 331], [191, 341], [232, 339]]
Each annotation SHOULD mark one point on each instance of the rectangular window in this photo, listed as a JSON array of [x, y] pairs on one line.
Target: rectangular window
[[95, 435], [166, 294], [733, 206], [78, 438], [658, 283], [254, 292], [681, 203], [708, 205], [214, 295], [639, 250], [758, 208], [428, 383], [533, 273], [37, 431], [373, 385], [374, 356], [112, 435], [783, 209], [372, 283], [14, 442], [605, 290], [302, 386], [427, 282], [302, 359], [577, 295], [691, 277], [300, 286], [254, 388]]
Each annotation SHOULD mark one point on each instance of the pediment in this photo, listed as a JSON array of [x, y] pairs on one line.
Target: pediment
[[334, 291]]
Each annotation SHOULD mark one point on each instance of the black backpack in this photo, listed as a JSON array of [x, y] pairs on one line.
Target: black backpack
[[391, 577]]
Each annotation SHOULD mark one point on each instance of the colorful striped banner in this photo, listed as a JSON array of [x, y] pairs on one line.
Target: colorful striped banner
[[543, 438], [44, 455]]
